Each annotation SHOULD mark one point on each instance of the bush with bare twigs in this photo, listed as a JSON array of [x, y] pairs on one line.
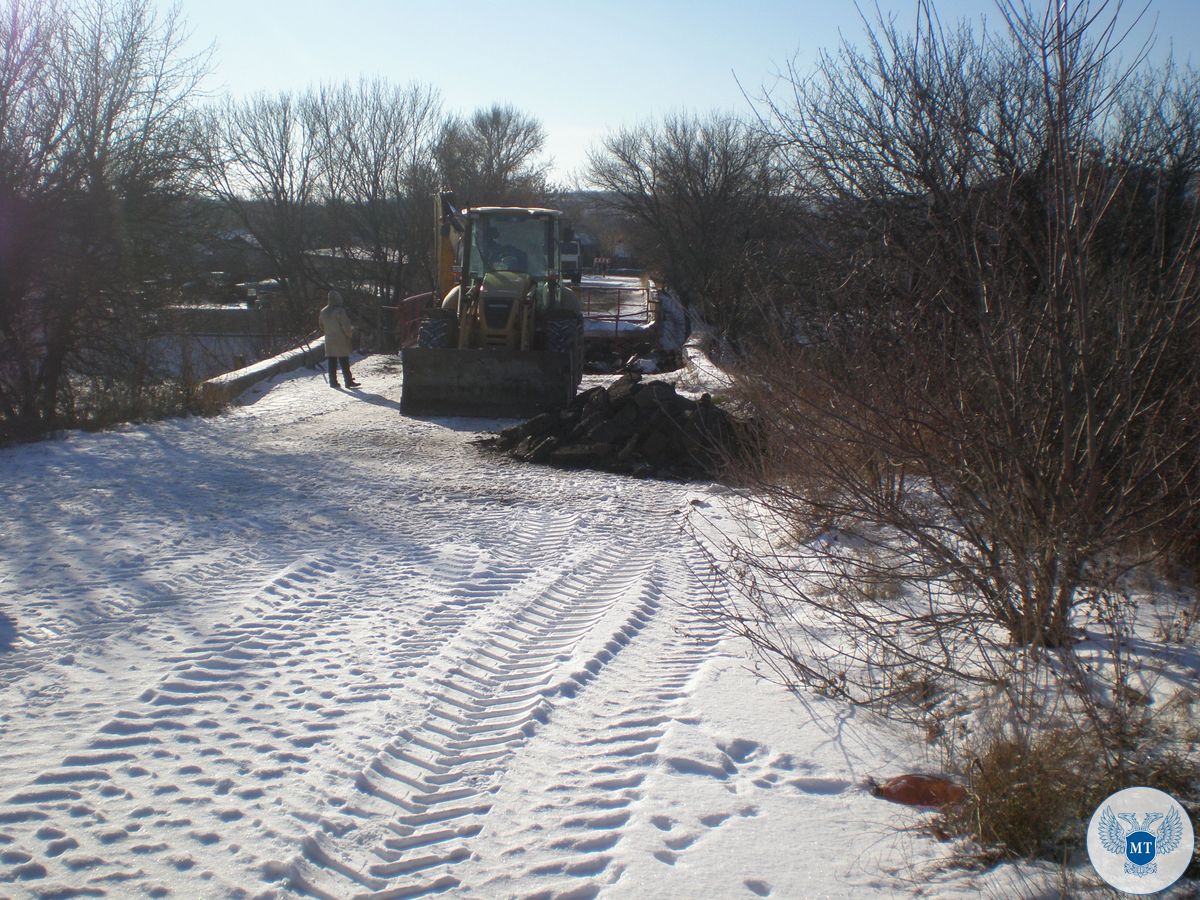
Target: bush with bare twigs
[[982, 417]]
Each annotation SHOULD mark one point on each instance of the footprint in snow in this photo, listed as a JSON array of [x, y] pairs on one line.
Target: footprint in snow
[[685, 766], [740, 750], [820, 786], [681, 843]]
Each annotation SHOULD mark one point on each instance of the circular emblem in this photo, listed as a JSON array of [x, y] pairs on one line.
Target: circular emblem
[[1140, 840]]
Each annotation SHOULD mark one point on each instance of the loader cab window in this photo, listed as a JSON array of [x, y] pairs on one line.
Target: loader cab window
[[511, 244]]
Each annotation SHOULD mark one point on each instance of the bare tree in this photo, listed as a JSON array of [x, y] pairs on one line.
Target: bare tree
[[704, 195], [376, 148], [96, 152], [335, 185], [263, 163], [32, 108], [494, 157]]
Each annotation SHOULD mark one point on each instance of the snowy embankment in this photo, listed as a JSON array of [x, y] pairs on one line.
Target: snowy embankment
[[314, 646], [228, 385]]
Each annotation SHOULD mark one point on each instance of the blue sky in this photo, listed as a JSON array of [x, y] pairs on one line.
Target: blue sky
[[583, 69]]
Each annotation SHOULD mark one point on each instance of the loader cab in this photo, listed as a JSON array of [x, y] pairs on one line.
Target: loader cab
[[501, 243]]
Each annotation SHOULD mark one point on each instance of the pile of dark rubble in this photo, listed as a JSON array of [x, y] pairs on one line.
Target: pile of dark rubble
[[642, 428]]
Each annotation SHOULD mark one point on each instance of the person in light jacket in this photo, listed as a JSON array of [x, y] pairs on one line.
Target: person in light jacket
[[335, 322]]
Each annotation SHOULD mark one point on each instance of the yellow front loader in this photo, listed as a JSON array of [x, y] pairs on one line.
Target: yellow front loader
[[507, 340]]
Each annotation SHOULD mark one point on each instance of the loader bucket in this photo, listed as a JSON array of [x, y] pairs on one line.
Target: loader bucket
[[489, 383]]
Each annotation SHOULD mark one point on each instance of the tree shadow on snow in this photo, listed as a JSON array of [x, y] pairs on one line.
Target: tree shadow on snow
[[8, 633]]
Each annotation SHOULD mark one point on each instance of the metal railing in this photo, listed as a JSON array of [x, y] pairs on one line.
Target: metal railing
[[627, 308]]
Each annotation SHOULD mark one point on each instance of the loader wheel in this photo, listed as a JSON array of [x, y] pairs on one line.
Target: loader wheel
[[564, 334], [437, 329]]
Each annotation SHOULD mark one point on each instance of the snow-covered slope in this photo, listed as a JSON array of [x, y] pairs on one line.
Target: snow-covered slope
[[312, 645]]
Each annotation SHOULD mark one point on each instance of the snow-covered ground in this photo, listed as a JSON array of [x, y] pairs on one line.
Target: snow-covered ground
[[312, 645]]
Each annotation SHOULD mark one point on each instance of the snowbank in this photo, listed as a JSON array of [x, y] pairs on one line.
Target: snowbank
[[225, 387]]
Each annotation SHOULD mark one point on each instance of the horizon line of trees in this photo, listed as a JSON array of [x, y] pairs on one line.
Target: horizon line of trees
[[107, 141]]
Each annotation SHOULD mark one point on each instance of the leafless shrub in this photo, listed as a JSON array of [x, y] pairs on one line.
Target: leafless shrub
[[980, 415], [999, 388], [1031, 794], [1177, 629]]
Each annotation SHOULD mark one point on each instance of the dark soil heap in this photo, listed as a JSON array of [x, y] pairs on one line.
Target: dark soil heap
[[632, 427]]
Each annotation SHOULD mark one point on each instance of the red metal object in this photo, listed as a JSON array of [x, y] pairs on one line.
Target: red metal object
[[919, 790], [408, 317]]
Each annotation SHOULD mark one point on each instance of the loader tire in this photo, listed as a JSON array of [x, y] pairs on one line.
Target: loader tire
[[564, 334], [437, 329]]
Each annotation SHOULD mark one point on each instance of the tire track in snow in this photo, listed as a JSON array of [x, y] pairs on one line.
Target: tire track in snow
[[133, 804], [595, 773], [296, 634], [247, 735], [427, 793], [85, 614], [73, 627], [431, 646], [468, 569]]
